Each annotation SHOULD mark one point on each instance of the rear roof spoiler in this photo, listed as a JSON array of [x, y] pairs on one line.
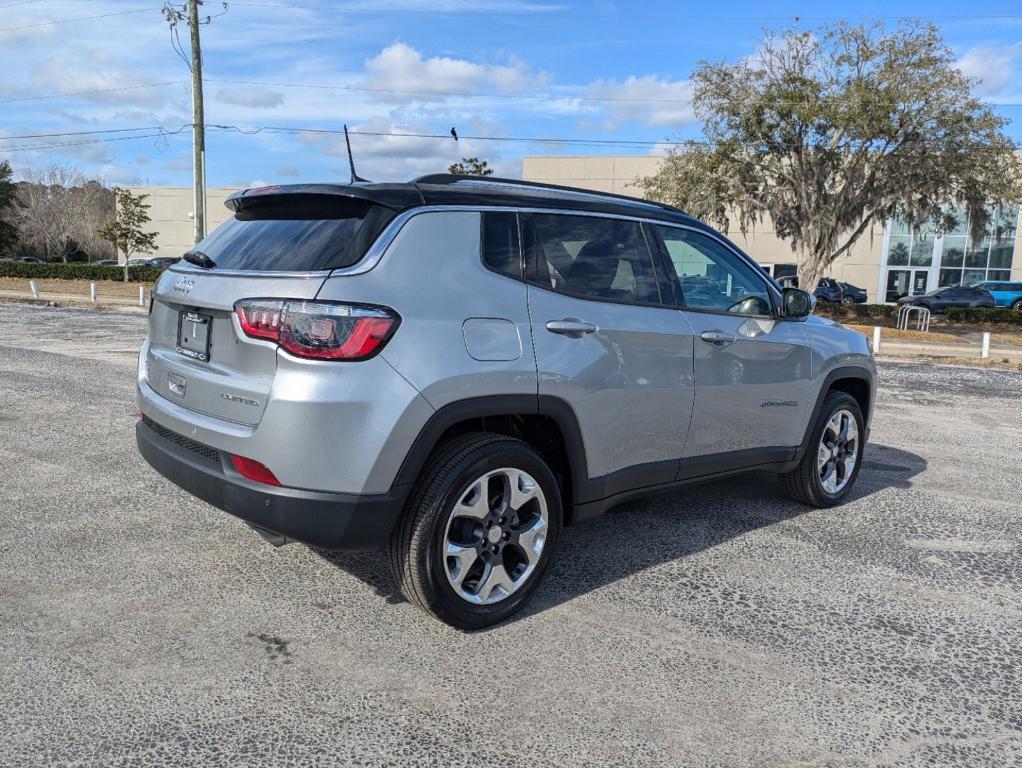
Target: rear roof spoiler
[[394, 196]]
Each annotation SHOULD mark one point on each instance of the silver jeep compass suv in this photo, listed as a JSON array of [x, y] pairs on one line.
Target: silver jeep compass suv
[[456, 368]]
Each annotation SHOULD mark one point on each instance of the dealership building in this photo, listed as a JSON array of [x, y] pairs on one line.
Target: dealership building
[[887, 262]]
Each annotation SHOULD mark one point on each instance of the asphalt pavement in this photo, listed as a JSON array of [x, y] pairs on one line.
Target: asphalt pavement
[[722, 625]]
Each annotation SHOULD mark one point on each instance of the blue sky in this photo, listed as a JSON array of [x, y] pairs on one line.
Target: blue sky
[[570, 71]]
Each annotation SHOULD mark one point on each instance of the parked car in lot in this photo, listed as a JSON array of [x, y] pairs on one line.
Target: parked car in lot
[[30, 260], [853, 294], [1005, 293], [164, 262], [140, 263], [827, 289], [106, 263], [570, 350], [954, 296]]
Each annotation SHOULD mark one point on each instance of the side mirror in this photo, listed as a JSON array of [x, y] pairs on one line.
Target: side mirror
[[797, 303]]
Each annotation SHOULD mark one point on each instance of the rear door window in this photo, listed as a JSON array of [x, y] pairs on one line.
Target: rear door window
[[296, 233], [590, 257], [500, 243]]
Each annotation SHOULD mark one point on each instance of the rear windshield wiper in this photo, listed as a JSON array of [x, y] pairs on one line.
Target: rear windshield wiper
[[199, 259]]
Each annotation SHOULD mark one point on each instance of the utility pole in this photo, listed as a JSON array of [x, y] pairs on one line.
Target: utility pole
[[198, 126]]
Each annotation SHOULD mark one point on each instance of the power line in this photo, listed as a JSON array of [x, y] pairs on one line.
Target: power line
[[80, 18], [92, 133], [28, 147], [395, 134], [361, 89], [514, 96], [93, 92], [540, 13], [20, 2]]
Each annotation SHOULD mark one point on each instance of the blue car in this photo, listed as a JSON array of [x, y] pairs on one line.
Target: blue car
[[1006, 294]]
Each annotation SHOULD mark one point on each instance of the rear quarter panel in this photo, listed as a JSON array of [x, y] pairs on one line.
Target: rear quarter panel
[[464, 329]]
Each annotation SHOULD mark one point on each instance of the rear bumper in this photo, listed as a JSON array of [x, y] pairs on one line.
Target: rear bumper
[[327, 520]]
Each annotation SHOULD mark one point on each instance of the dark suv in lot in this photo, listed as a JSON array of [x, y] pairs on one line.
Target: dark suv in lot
[[955, 296]]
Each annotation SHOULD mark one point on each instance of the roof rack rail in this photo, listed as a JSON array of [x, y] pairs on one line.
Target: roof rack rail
[[451, 178]]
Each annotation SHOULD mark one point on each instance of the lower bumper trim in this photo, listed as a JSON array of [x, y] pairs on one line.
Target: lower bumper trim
[[325, 520]]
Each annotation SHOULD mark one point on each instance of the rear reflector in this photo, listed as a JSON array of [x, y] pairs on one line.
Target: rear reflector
[[253, 470], [318, 329]]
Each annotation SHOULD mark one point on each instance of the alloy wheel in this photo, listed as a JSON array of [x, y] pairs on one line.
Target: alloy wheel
[[495, 536], [838, 451]]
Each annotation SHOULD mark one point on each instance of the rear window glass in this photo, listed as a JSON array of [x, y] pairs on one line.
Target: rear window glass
[[295, 235]]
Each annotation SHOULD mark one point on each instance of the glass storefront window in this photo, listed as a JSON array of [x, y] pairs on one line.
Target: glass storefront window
[[898, 250], [1000, 254], [949, 277], [922, 252], [960, 262], [977, 257], [952, 251], [973, 276]]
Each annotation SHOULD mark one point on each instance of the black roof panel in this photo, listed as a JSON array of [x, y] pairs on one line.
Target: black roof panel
[[449, 189]]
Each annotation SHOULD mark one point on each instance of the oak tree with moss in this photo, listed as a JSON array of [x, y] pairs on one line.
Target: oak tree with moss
[[826, 133]]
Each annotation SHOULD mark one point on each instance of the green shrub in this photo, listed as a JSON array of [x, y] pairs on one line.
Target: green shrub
[[61, 271], [983, 316], [859, 311]]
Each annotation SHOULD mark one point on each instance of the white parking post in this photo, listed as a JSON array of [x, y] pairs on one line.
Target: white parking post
[[35, 289], [141, 295], [985, 351], [92, 291], [876, 339]]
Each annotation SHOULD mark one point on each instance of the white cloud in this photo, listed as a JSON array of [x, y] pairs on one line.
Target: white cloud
[[92, 69], [289, 171], [993, 66], [646, 100], [401, 68], [250, 96]]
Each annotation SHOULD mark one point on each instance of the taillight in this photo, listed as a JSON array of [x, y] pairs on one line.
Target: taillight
[[260, 319], [317, 329], [253, 470]]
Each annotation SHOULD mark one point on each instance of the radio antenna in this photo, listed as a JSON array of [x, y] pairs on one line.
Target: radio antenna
[[351, 160]]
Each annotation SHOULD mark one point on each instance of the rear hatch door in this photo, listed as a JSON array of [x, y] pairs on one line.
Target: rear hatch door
[[279, 244]]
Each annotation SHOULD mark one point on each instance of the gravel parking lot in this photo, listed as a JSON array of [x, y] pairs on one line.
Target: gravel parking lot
[[719, 626]]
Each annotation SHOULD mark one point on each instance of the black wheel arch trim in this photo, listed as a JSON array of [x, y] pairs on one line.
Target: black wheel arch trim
[[838, 374], [498, 405]]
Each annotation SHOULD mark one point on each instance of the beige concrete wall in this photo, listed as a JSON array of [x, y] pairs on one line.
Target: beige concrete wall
[[619, 175], [171, 214]]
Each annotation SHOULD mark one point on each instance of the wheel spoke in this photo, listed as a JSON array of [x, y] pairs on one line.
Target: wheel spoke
[[532, 540], [474, 503], [464, 558], [495, 577], [523, 490], [844, 421]]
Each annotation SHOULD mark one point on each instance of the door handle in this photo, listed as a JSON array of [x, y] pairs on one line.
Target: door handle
[[569, 326], [718, 338]]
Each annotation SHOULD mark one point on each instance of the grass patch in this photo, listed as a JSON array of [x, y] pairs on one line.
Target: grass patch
[[930, 337], [116, 288]]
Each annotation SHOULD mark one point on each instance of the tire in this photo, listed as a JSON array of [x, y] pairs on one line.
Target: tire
[[848, 301], [805, 483], [1017, 306], [478, 586]]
